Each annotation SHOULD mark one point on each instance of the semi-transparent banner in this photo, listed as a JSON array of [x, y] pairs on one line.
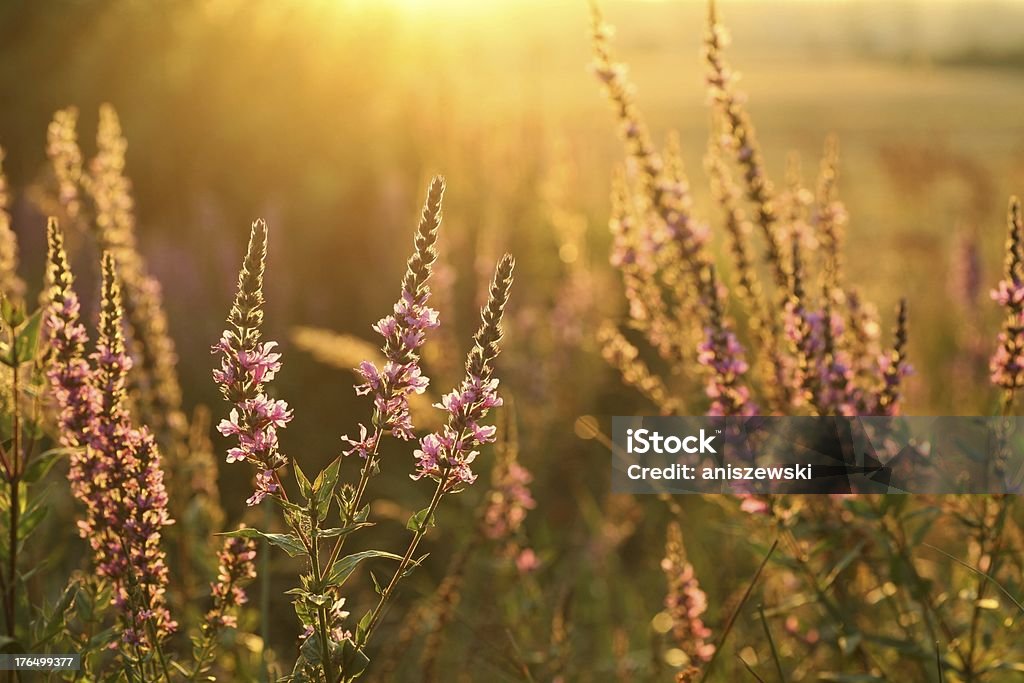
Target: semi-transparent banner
[[817, 454]]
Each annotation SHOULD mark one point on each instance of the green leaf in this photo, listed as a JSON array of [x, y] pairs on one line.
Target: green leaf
[[363, 625], [414, 564], [27, 338], [56, 620], [323, 488], [40, 465], [419, 522], [353, 659], [304, 488], [362, 515], [342, 531], [290, 543], [9, 312], [310, 651], [344, 567], [31, 518]]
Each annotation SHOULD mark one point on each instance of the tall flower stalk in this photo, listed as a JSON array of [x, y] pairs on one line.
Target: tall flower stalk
[[685, 601], [445, 456], [1007, 364], [247, 364], [115, 472], [404, 331]]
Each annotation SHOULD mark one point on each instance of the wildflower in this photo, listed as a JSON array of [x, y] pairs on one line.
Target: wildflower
[[247, 363], [116, 474], [235, 567], [446, 455], [830, 215], [685, 602], [10, 284], [894, 367], [741, 138], [69, 372], [404, 332], [66, 158], [1007, 364], [722, 354], [509, 500]]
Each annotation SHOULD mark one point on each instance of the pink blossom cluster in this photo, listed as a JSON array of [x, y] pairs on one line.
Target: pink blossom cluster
[[247, 363], [509, 501], [115, 470], [235, 567], [447, 454], [1007, 363], [404, 333], [722, 354], [685, 603]]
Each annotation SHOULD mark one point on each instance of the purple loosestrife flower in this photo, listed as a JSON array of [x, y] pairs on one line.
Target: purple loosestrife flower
[[741, 138], [446, 455], [117, 473], [685, 602], [404, 332], [1007, 364], [247, 363], [69, 372], [509, 500], [721, 353], [894, 367], [235, 569], [839, 394]]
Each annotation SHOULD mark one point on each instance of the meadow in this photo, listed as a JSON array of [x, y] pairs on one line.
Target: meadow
[[329, 120]]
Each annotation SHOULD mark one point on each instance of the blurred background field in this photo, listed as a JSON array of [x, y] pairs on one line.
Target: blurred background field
[[328, 117]]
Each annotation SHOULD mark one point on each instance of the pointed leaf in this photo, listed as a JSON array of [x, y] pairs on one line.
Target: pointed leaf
[[342, 531], [344, 567], [419, 522], [290, 543], [304, 487], [323, 487], [27, 338]]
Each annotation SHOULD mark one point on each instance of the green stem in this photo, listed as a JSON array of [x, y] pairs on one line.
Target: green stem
[[385, 596], [325, 650], [210, 636], [364, 478], [15, 501], [268, 519]]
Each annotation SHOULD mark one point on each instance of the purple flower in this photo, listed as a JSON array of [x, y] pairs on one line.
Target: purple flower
[[685, 602], [722, 354], [366, 444], [509, 500], [446, 455], [1007, 363], [115, 471], [404, 332], [247, 363], [235, 568]]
